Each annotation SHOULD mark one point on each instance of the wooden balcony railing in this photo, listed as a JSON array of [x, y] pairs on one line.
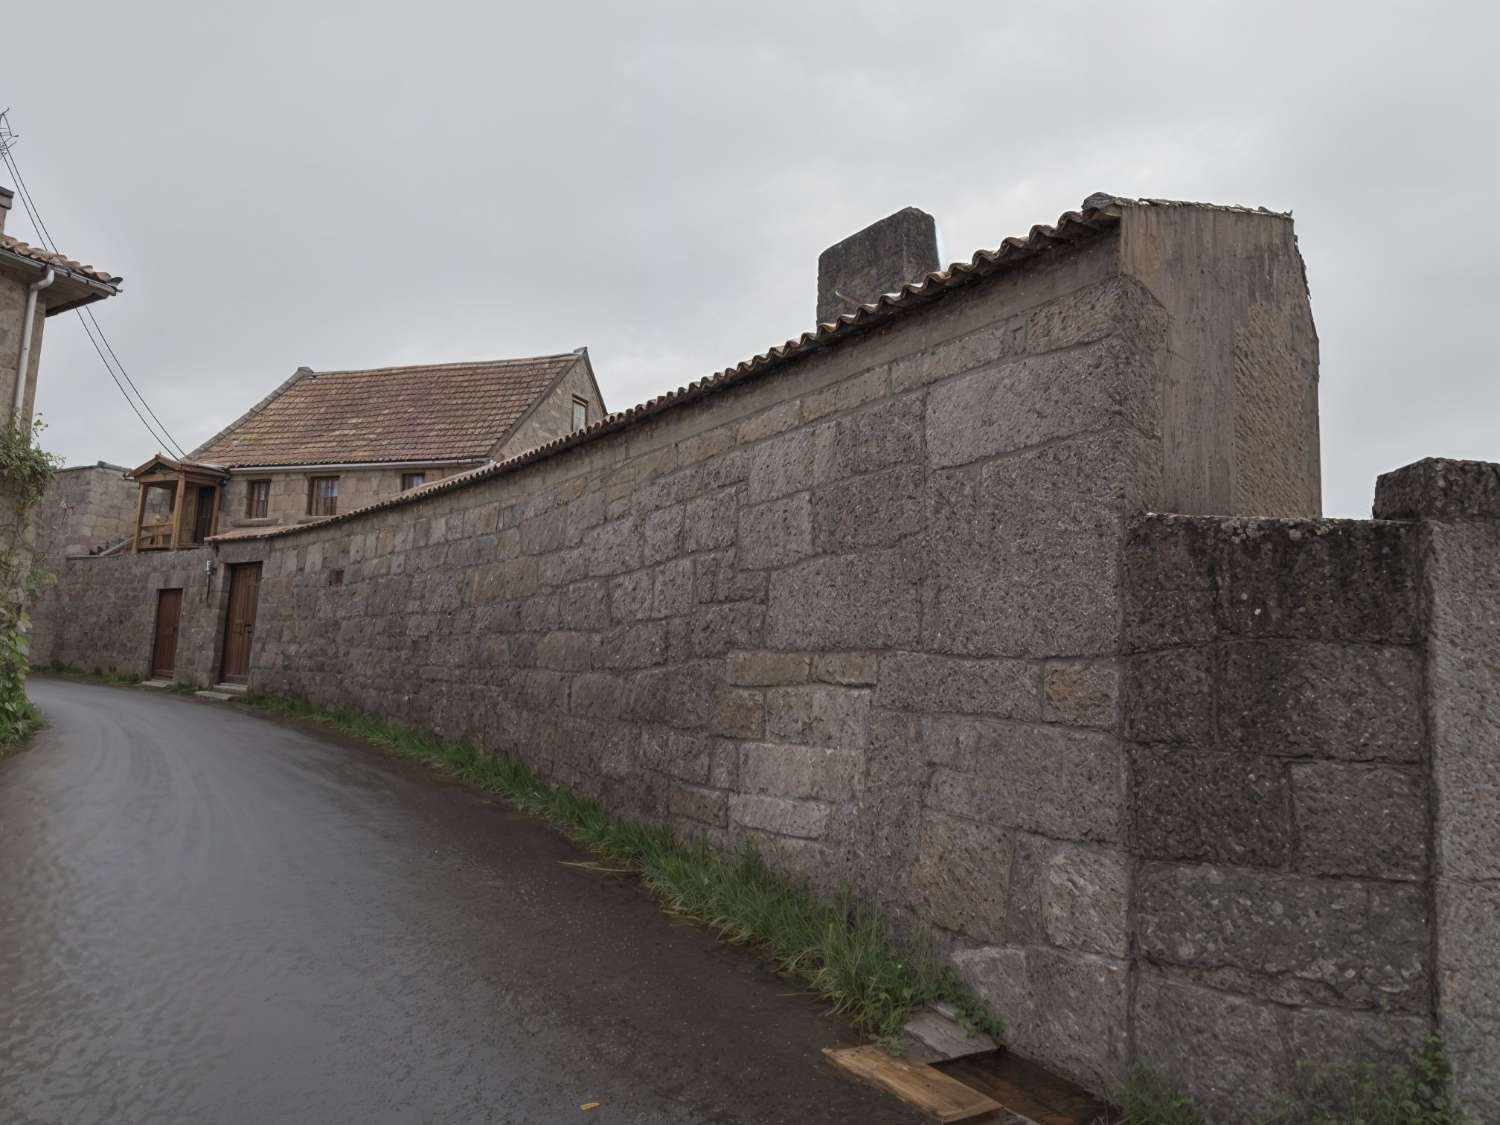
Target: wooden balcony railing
[[154, 537]]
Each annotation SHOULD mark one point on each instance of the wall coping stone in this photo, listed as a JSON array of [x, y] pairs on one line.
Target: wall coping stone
[[1441, 489]]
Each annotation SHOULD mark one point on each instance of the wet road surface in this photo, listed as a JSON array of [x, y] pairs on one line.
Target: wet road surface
[[209, 917]]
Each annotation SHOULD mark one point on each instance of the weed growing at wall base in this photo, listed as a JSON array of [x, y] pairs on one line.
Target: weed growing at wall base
[[1351, 1093], [845, 951], [25, 469]]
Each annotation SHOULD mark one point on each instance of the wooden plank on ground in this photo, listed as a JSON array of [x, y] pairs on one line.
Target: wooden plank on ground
[[926, 1090], [1026, 1089]]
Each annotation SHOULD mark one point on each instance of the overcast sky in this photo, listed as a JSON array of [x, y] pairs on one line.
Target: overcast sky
[[360, 183]]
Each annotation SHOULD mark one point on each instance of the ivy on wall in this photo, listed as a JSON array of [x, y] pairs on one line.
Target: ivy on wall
[[25, 471]]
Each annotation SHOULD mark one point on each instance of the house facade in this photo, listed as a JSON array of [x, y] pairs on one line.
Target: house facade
[[327, 442]]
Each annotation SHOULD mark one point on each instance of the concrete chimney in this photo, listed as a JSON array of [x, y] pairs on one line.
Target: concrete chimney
[[6, 198], [883, 257]]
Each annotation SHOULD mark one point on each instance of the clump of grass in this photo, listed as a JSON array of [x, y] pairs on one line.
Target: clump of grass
[[1364, 1093], [846, 952], [1148, 1097], [1351, 1093]]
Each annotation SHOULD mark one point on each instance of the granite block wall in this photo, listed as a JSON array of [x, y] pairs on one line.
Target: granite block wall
[[1279, 787], [101, 615], [1458, 504]]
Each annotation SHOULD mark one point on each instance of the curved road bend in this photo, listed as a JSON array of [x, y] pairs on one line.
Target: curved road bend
[[206, 917]]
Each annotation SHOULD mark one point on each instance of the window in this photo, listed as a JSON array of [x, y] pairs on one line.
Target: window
[[580, 414], [412, 480], [258, 500], [323, 496]]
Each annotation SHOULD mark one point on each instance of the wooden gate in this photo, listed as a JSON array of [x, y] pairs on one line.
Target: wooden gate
[[239, 628], [164, 650]]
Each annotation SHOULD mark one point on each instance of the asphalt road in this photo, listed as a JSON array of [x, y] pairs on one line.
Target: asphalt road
[[208, 917]]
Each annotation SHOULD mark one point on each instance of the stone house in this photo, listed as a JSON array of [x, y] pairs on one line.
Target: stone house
[[327, 442], [36, 284]]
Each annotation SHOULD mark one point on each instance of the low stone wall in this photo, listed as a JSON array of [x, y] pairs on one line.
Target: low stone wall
[[1279, 781]]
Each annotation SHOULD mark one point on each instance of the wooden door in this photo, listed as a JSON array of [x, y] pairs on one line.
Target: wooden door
[[239, 629], [164, 651]]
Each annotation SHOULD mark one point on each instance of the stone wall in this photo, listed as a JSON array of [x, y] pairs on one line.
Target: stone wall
[[101, 617], [1279, 788], [86, 507], [1458, 503], [13, 291], [1161, 786]]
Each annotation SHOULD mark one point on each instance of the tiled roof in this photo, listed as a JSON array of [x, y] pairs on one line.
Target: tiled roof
[[1100, 214], [56, 261], [443, 412]]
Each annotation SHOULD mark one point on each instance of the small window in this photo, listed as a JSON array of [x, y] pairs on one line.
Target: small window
[[412, 480], [323, 496], [580, 414], [258, 500]]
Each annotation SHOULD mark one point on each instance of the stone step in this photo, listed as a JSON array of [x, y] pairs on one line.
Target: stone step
[[934, 1034], [220, 696], [232, 689], [157, 683]]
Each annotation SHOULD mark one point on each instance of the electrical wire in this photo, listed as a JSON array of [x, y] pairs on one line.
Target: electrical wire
[[86, 317]]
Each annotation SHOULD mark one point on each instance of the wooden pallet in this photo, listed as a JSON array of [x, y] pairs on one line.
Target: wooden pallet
[[926, 1090]]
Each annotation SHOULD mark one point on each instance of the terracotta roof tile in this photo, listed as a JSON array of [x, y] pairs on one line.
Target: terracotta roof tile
[[56, 261], [449, 411]]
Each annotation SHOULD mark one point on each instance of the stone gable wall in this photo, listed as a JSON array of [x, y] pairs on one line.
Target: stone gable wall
[[552, 418]]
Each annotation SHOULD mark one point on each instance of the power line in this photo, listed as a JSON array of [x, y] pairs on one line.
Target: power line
[[86, 317]]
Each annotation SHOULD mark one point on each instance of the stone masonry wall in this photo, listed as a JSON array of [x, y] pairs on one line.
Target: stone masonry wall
[[863, 613], [1458, 503], [101, 616], [86, 507], [1279, 789]]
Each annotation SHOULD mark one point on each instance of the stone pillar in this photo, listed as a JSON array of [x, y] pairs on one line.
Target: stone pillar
[[1458, 503]]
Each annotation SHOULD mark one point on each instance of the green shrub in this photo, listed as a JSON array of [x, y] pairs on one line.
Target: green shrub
[[25, 470]]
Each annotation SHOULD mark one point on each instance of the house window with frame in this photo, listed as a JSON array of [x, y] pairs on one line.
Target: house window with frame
[[580, 414], [258, 500], [412, 480], [323, 496]]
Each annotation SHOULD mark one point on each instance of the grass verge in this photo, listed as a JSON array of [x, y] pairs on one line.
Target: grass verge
[[847, 953]]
